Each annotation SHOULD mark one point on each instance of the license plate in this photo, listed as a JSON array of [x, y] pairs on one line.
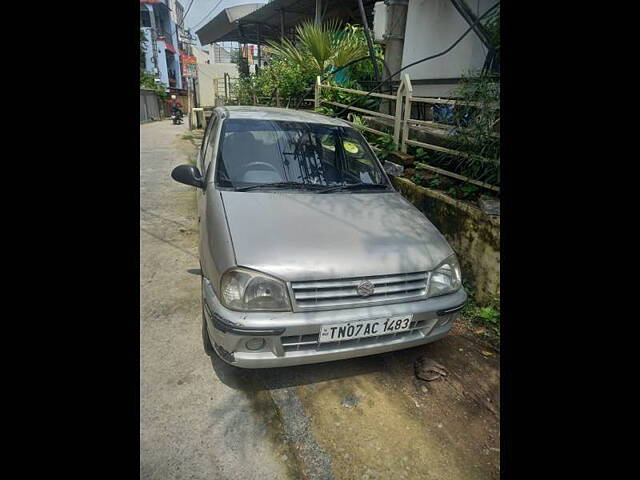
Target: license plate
[[364, 328]]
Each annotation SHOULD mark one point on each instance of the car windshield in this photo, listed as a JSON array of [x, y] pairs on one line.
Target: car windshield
[[263, 154]]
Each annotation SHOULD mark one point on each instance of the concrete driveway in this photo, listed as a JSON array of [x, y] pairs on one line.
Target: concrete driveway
[[366, 418]]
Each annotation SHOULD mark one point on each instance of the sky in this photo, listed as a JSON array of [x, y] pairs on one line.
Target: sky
[[201, 12]]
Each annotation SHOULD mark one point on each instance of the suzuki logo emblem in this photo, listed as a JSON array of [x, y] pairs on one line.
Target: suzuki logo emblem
[[365, 288]]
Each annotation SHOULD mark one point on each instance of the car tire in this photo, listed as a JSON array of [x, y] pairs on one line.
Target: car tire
[[206, 340]]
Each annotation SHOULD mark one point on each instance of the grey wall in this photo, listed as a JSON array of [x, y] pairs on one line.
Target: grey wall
[[473, 235], [149, 106], [432, 26]]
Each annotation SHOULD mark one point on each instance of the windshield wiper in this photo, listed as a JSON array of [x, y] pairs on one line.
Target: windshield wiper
[[352, 186], [302, 186]]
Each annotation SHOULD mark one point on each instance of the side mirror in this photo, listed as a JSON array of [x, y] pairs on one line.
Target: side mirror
[[189, 175]]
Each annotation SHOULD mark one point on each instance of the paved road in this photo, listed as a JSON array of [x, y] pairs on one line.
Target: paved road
[[366, 418], [191, 424]]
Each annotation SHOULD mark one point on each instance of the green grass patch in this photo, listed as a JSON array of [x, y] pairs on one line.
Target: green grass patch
[[483, 320]]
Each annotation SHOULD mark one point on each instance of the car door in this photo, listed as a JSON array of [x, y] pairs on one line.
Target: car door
[[207, 152]]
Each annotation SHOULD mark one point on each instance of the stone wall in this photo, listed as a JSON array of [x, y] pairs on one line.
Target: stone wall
[[474, 235]]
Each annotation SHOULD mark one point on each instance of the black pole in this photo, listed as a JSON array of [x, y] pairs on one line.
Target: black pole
[[470, 18], [259, 49], [369, 42], [281, 24]]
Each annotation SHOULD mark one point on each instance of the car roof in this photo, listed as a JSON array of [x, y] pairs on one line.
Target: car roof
[[284, 114]]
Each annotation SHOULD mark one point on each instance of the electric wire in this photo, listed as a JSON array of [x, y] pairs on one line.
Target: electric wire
[[187, 11], [431, 57], [394, 74], [377, 86], [207, 14]]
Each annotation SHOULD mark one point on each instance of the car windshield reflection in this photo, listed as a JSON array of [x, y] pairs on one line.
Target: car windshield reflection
[[263, 154]]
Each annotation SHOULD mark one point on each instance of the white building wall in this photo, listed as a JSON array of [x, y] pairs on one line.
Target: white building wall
[[432, 26], [206, 74], [202, 56]]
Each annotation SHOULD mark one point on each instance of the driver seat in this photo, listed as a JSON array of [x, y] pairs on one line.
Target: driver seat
[[241, 149]]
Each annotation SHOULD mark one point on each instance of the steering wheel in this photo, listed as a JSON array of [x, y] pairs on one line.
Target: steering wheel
[[263, 164]]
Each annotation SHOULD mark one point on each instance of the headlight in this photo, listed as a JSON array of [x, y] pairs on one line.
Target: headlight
[[446, 278], [246, 290]]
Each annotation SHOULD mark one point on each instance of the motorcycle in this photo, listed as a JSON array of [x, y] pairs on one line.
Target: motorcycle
[[176, 116]]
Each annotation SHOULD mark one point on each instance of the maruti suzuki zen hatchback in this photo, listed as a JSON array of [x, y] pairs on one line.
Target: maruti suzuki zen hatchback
[[307, 252]]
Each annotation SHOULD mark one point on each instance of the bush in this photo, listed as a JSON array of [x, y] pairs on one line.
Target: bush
[[148, 81], [293, 68], [474, 130], [483, 319], [369, 103], [290, 81]]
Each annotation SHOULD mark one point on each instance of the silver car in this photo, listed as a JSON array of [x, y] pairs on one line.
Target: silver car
[[307, 252]]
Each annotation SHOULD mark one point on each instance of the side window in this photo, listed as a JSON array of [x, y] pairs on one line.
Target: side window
[[210, 147], [205, 143]]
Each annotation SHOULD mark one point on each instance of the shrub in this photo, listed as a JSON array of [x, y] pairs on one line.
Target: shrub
[[148, 81], [475, 130]]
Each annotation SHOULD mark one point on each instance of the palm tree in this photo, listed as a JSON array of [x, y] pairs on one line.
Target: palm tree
[[321, 46]]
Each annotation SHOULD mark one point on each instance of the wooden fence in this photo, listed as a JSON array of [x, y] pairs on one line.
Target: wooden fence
[[403, 124]]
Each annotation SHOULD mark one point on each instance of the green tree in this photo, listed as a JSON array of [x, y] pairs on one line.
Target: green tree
[[148, 81]]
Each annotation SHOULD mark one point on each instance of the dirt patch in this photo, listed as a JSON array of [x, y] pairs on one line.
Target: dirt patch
[[264, 407], [391, 425]]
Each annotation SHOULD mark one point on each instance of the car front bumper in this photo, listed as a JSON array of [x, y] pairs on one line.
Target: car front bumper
[[290, 338]]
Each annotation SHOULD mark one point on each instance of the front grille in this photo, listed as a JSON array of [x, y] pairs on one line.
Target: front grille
[[295, 343], [328, 294]]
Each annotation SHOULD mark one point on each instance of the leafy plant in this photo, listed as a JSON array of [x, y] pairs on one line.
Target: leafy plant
[[475, 129], [489, 314], [324, 110], [289, 81], [491, 24], [147, 80], [431, 182], [383, 142], [246, 89], [294, 66], [280, 79], [362, 71], [369, 103], [319, 47], [483, 319]]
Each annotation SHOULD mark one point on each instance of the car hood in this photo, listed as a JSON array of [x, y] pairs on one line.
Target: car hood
[[299, 236]]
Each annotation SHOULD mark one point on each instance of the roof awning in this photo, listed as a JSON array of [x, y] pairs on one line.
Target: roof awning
[[155, 2], [169, 47], [224, 23], [242, 25]]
